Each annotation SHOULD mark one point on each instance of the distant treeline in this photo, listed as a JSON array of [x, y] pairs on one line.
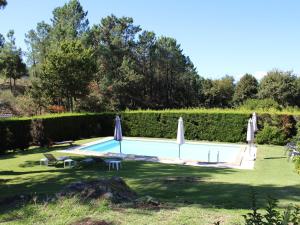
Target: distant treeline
[[116, 65]]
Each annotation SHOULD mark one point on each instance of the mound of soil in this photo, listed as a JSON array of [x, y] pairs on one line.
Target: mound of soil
[[89, 221], [114, 189]]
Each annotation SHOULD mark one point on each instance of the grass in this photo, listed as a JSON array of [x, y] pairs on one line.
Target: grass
[[215, 194]]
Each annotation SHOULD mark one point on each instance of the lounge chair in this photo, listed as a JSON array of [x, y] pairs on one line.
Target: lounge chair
[[63, 142], [290, 146], [52, 160]]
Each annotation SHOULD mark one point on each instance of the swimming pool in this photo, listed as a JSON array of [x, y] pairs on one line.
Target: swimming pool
[[202, 152]]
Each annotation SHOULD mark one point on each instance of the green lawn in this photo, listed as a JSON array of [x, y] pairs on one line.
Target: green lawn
[[215, 194]]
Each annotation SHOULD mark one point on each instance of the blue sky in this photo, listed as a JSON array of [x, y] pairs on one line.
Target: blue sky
[[220, 36]]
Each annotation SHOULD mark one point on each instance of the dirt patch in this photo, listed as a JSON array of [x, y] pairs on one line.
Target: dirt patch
[[182, 179], [175, 180], [115, 189], [89, 221]]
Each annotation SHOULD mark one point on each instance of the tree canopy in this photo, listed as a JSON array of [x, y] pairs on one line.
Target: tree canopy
[[67, 71], [246, 88], [280, 86], [115, 64], [3, 3], [11, 62]]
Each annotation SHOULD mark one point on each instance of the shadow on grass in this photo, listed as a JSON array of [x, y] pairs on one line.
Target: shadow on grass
[[169, 183], [34, 150], [278, 157]]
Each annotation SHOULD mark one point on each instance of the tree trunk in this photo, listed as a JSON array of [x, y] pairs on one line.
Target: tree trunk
[[10, 84], [14, 84], [71, 104]]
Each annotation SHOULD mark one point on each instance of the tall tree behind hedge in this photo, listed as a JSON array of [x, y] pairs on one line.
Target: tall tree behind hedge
[[69, 21], [114, 42], [11, 61], [280, 86], [38, 43], [219, 92], [246, 88], [145, 60], [174, 75], [3, 3], [67, 71]]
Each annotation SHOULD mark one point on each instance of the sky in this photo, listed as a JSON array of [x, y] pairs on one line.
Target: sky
[[222, 37]]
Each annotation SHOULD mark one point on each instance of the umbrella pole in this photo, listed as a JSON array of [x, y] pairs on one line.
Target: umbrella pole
[[120, 147]]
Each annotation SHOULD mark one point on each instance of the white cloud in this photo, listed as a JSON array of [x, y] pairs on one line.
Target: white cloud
[[259, 74]]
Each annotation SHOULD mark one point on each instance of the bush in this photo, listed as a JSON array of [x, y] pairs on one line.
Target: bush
[[271, 135], [296, 160], [260, 104], [291, 215]]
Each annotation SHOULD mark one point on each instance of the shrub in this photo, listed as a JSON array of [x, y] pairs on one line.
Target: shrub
[[260, 104], [271, 135], [296, 160], [291, 215]]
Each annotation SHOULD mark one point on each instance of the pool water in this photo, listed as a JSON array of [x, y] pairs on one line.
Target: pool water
[[189, 151]]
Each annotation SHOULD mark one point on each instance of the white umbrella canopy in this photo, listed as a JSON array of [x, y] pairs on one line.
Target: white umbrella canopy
[[250, 132], [254, 121], [180, 134], [118, 131]]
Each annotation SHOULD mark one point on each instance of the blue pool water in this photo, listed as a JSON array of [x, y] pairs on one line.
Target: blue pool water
[[161, 149]]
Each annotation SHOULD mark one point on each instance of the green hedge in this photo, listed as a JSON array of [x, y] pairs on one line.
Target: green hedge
[[216, 125], [14, 134], [198, 126], [21, 133]]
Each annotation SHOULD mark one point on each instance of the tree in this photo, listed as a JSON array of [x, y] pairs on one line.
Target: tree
[[172, 71], [2, 41], [67, 71], [246, 88], [114, 43], [3, 3], [113, 39], [38, 43], [11, 62], [69, 21], [219, 92], [144, 59], [297, 93], [280, 86]]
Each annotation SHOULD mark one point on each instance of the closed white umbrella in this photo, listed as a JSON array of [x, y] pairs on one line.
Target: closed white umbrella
[[254, 121], [180, 134], [250, 132], [118, 131]]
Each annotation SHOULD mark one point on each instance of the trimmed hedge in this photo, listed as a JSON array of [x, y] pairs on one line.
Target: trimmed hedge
[[216, 125], [21, 133], [198, 126], [14, 134]]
